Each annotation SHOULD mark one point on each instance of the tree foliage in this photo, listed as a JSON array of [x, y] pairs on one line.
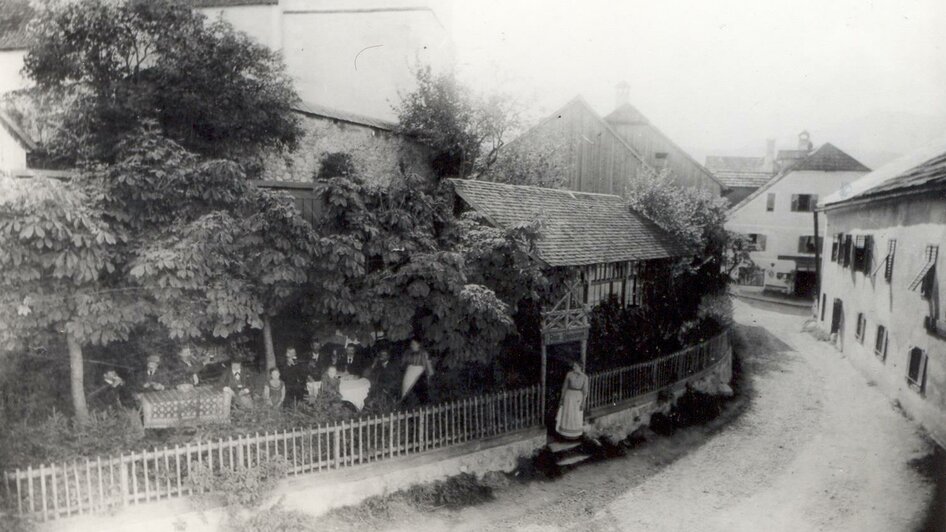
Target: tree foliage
[[464, 130], [111, 65]]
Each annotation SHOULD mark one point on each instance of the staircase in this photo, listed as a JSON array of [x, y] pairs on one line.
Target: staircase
[[568, 453]]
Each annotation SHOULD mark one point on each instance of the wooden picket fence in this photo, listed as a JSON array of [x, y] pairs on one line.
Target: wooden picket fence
[[99, 485], [616, 386]]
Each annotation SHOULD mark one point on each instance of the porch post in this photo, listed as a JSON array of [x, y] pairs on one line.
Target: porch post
[[542, 397]]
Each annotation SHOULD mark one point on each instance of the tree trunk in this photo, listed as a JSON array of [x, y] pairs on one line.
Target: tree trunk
[[268, 343], [77, 379]]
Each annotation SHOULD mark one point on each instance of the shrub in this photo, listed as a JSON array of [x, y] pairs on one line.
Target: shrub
[[244, 486]]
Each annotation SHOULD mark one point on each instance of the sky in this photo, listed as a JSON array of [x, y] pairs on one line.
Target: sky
[[721, 76]]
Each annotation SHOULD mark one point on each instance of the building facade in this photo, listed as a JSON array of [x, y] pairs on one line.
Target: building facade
[[883, 296], [602, 155], [351, 55], [779, 216]]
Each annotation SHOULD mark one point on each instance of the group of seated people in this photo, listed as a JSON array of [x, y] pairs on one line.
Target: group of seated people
[[317, 376]]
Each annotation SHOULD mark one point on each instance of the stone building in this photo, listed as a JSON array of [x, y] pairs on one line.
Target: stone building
[[882, 295]]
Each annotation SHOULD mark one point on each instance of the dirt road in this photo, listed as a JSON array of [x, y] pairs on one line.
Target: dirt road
[[816, 448]]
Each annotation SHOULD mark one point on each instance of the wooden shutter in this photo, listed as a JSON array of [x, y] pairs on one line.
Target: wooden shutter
[[794, 202]]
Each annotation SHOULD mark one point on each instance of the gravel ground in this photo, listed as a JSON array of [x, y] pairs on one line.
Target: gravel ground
[[809, 446]]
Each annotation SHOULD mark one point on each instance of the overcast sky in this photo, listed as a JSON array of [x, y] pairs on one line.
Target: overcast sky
[[720, 76]]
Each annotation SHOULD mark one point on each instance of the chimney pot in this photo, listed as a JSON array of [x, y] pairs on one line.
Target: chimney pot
[[622, 94]]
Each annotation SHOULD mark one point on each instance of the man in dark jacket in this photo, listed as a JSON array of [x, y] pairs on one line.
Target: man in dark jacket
[[353, 361], [294, 375], [237, 382]]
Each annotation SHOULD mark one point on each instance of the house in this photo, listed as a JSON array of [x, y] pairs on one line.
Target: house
[[743, 175], [778, 217], [352, 55], [604, 154], [883, 294], [595, 241]]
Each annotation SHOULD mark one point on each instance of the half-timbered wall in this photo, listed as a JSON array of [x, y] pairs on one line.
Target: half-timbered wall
[[623, 280]]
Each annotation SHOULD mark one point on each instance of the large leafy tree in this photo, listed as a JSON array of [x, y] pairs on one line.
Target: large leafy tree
[[159, 111], [111, 64], [59, 261]]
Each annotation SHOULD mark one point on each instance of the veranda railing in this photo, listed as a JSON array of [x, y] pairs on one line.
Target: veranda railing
[[97, 485]]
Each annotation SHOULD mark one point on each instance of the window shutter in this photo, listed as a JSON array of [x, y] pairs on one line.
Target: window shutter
[[803, 244], [760, 242], [891, 252], [794, 202]]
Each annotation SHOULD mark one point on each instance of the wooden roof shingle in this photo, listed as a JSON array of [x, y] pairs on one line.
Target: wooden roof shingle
[[578, 228]]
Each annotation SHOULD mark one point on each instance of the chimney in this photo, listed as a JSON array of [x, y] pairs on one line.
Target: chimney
[[623, 94], [768, 164], [804, 141]]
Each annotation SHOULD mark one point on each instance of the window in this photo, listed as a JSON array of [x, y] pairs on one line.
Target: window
[[804, 202], [836, 246], [756, 242], [615, 279], [888, 266], [861, 327], [824, 303], [770, 202], [807, 244], [916, 371], [862, 252], [846, 251], [880, 342]]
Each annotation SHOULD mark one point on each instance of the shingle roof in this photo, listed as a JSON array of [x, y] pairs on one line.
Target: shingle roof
[[739, 171], [743, 179], [578, 228], [828, 158], [311, 108], [914, 170]]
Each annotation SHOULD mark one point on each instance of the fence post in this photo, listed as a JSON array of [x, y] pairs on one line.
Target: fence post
[[123, 479], [338, 449]]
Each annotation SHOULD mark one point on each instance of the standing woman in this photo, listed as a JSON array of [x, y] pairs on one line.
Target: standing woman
[[418, 364], [569, 422]]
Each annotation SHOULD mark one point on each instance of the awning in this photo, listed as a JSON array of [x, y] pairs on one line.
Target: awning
[[803, 263], [930, 263]]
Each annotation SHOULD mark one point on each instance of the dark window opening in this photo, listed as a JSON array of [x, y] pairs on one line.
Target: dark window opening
[[861, 327], [880, 342], [770, 202], [808, 244], [916, 372], [804, 202]]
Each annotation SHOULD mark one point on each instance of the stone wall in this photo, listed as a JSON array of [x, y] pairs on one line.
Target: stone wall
[[377, 154]]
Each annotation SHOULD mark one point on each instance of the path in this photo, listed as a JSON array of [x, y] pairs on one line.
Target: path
[[817, 449]]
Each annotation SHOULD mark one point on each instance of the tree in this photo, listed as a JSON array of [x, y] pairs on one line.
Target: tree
[[465, 131], [225, 272], [113, 64], [537, 160], [58, 257]]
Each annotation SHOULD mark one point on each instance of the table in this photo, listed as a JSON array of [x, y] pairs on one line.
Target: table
[[175, 408]]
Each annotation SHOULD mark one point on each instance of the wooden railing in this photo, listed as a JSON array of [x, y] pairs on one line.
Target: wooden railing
[[615, 386], [99, 485]]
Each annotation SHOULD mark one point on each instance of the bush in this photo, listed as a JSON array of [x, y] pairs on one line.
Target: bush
[[244, 486]]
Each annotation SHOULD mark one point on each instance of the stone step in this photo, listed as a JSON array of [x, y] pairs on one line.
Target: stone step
[[573, 459], [559, 446]]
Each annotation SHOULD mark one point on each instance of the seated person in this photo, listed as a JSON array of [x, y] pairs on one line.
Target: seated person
[[274, 390], [188, 375], [317, 360], [115, 394], [330, 382], [237, 383], [352, 361], [155, 376]]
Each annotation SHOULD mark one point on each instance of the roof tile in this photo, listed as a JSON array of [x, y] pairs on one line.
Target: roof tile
[[579, 228]]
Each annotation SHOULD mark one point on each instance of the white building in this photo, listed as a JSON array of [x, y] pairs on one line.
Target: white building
[[351, 55], [779, 216], [883, 296]]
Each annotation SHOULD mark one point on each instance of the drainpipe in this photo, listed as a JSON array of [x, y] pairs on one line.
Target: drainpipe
[[817, 260]]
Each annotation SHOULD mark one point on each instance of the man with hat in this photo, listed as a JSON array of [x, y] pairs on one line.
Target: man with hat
[[237, 383]]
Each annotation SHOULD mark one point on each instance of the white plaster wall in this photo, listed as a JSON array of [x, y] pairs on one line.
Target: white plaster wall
[[783, 227], [12, 153], [914, 224], [11, 63]]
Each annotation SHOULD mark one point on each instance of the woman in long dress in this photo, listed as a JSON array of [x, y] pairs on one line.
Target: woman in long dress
[[417, 363], [569, 422]]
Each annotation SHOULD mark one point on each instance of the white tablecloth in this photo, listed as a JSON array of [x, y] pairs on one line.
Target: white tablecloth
[[353, 389]]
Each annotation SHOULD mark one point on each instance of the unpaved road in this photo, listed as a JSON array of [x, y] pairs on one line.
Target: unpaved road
[[815, 448]]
